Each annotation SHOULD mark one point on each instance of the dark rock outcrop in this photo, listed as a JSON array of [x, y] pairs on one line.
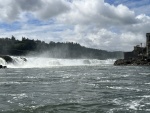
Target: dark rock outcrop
[[24, 59], [132, 62], [3, 67], [7, 58]]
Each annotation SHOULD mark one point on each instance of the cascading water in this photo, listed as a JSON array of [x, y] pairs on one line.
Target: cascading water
[[42, 62], [3, 62]]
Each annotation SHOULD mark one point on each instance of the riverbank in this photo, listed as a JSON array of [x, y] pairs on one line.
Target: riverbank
[[132, 62]]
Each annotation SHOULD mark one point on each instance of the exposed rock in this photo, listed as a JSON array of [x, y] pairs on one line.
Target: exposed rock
[[140, 56], [132, 62], [3, 67], [8, 59], [24, 59], [11, 60]]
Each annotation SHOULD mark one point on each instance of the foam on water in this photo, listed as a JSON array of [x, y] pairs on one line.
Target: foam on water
[[39, 62], [103, 88]]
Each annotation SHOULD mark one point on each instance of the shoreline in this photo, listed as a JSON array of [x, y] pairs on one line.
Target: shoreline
[[132, 62]]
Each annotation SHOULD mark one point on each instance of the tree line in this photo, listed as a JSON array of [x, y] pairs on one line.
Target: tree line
[[26, 46]]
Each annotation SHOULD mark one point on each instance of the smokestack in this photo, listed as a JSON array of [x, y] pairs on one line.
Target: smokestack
[[141, 44], [148, 44]]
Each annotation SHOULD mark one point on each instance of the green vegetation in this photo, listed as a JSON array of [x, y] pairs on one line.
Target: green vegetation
[[11, 46]]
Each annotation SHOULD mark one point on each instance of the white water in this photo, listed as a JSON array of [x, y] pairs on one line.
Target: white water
[[39, 62], [3, 62]]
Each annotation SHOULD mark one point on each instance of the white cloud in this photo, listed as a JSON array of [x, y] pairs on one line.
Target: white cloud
[[52, 8], [98, 12], [141, 27], [107, 40], [43, 9], [94, 23]]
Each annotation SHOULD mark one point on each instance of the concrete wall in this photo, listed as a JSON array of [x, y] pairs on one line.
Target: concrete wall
[[129, 55]]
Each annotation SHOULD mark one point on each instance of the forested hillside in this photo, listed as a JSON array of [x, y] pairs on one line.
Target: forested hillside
[[11, 46]]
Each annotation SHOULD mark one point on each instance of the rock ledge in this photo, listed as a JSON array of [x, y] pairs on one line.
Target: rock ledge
[[132, 62]]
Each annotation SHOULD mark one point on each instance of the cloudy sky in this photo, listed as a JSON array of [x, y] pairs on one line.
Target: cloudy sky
[[111, 25]]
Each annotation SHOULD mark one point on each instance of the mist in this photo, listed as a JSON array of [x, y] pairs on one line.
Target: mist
[[68, 50], [45, 62], [29, 53]]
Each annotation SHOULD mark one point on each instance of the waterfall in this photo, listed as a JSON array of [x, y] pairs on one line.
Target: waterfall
[[42, 62]]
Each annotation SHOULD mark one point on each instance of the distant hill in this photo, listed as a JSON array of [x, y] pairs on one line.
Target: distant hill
[[11, 46]]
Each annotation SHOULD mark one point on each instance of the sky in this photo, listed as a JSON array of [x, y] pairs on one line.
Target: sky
[[112, 25]]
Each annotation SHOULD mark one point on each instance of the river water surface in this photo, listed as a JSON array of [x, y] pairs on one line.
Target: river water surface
[[90, 87]]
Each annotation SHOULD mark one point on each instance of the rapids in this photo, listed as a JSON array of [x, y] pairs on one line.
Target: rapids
[[43, 62]]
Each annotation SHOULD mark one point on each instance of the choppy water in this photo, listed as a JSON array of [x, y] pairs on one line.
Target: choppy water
[[99, 88]]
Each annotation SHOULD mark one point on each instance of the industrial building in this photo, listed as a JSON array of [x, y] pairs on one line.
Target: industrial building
[[140, 52], [148, 45]]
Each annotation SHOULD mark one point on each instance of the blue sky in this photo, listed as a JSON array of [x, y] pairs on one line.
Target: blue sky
[[139, 6], [111, 25]]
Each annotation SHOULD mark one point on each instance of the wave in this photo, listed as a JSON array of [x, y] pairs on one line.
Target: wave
[[55, 108], [39, 62]]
